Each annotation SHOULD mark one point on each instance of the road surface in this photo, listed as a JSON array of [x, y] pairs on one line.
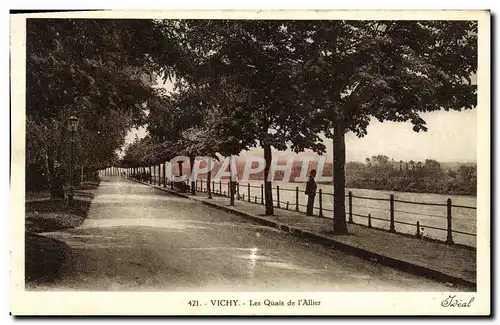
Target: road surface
[[140, 238]]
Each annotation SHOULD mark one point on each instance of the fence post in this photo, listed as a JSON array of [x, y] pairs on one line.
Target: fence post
[[248, 192], [220, 187], [287, 204], [213, 187], [418, 235], [150, 176], [296, 198], [229, 189], [320, 202], [350, 207], [261, 193], [238, 189], [392, 228], [369, 220], [201, 185], [255, 198], [278, 195], [449, 232]]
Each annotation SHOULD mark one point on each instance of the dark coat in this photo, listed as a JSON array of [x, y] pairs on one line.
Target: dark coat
[[311, 187]]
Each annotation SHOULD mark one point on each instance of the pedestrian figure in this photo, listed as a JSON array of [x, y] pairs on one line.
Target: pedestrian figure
[[311, 192]]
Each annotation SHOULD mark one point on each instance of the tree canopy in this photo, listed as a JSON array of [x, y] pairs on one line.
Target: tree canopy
[[93, 69], [245, 83]]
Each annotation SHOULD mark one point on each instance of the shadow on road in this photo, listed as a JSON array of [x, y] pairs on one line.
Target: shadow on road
[[44, 258]]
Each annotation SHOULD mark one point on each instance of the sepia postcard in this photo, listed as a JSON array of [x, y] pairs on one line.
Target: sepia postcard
[[250, 163]]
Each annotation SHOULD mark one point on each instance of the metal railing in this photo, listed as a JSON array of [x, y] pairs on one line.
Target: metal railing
[[391, 207], [244, 192]]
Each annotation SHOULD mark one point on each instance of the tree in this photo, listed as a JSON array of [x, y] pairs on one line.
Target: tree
[[248, 69], [389, 70], [282, 82], [200, 142], [432, 170], [89, 69]]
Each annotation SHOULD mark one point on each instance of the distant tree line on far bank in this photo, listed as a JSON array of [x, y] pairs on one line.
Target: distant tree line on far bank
[[380, 173]]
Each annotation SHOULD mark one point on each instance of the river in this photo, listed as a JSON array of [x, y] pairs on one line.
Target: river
[[406, 215], [463, 219]]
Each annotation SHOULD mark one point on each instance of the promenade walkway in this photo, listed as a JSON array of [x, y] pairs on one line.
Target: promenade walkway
[[448, 263]]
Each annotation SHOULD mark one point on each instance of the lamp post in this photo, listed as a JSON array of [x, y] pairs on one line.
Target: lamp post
[[72, 126]]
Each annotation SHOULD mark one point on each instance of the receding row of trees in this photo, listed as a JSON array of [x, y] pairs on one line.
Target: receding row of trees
[[380, 173], [267, 83], [88, 69]]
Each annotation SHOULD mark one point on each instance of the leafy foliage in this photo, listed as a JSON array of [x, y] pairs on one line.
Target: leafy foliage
[[95, 70], [381, 174]]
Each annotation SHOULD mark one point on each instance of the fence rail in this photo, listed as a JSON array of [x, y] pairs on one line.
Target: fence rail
[[244, 192]]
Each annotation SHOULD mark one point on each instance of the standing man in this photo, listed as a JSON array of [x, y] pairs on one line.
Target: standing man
[[311, 192]]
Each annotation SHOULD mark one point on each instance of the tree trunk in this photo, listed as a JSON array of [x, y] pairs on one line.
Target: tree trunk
[[231, 183], [56, 179], [209, 179], [179, 163], [209, 184], [193, 176], [339, 221], [268, 192], [56, 188]]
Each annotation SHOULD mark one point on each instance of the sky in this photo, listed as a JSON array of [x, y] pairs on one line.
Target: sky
[[451, 137]]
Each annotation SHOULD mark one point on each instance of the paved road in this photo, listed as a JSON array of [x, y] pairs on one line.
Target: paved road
[[139, 238]]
